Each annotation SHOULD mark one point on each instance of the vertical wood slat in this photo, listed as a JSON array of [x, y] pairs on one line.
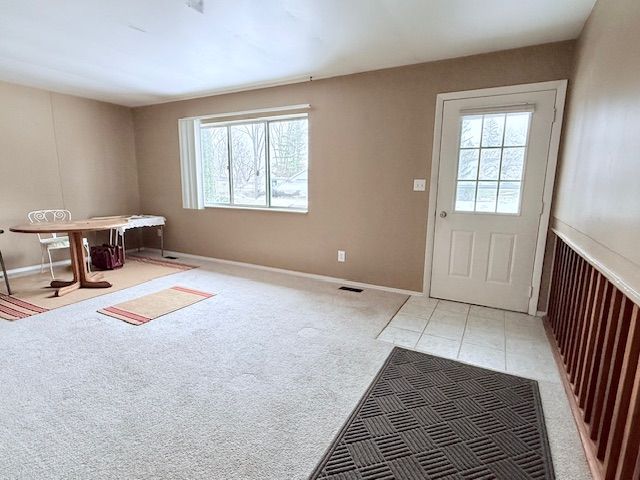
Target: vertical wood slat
[[572, 312], [596, 359], [577, 319], [571, 294], [597, 335], [590, 332], [555, 275], [628, 376], [556, 292], [563, 319], [627, 467], [617, 357], [605, 364]]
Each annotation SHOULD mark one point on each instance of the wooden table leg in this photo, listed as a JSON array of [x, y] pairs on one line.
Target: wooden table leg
[[64, 286], [81, 277]]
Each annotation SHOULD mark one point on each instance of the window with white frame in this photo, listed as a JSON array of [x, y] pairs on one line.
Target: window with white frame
[[255, 163], [491, 162]]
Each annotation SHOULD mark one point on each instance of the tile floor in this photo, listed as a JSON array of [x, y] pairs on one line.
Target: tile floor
[[500, 340]]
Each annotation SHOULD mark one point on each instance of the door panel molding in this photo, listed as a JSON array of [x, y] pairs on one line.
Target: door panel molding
[[560, 88]]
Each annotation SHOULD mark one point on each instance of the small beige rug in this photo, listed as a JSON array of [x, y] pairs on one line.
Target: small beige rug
[[144, 309], [32, 294]]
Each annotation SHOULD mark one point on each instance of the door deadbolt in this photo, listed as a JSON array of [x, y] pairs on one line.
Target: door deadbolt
[[443, 214]]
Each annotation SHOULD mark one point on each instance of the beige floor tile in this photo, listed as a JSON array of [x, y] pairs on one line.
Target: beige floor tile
[[454, 307], [485, 338], [439, 346], [530, 327], [531, 365], [486, 312], [409, 322], [422, 301], [519, 317], [449, 317], [522, 345], [484, 323], [446, 328], [416, 310], [399, 336], [482, 356]]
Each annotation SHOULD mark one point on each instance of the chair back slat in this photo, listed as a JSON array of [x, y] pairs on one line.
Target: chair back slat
[[51, 215]]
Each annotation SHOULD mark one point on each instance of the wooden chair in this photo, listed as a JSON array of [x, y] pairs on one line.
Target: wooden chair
[[4, 270], [54, 241]]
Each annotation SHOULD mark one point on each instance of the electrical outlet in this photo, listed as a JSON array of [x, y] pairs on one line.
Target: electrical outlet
[[342, 256], [419, 184]]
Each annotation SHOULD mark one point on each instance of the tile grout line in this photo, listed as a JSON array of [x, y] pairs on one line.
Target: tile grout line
[[504, 332], [405, 329], [466, 320], [392, 317], [428, 320], [426, 324]]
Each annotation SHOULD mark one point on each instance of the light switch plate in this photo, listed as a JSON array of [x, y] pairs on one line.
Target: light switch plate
[[419, 184]]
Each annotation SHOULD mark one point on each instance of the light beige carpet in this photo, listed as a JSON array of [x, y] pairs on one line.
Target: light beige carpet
[[32, 294], [149, 307], [253, 384]]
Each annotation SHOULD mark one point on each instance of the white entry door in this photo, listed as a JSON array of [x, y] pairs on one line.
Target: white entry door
[[493, 159]]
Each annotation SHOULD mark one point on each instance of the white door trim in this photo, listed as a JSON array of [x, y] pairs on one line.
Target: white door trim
[[560, 87]]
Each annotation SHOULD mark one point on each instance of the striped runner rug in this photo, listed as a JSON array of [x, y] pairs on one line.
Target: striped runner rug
[[12, 308], [149, 307]]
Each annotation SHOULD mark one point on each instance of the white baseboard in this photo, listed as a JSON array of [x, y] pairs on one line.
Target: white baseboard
[[323, 278], [30, 269]]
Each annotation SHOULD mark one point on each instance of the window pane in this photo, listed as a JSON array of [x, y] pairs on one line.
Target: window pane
[[215, 164], [289, 163], [489, 163], [517, 128], [468, 164], [470, 131], [512, 163], [487, 193], [248, 164], [492, 130], [465, 196], [509, 197]]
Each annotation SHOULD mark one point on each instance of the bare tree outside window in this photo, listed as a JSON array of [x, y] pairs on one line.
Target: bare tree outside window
[[258, 163]]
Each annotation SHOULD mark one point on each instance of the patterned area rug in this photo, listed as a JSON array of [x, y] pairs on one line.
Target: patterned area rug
[[32, 294], [426, 417], [149, 307]]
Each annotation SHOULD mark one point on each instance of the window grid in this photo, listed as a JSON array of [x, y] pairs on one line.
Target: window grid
[[267, 157], [499, 179]]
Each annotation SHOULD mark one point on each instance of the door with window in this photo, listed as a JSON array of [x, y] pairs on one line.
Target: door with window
[[493, 160]]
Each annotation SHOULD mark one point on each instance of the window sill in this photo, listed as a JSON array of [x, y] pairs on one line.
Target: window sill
[[259, 209]]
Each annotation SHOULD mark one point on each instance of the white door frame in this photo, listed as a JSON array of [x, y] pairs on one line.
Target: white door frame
[[560, 87]]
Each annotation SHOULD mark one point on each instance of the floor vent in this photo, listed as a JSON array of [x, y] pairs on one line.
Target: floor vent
[[351, 289]]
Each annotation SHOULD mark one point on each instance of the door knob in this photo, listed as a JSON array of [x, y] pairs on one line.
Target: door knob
[[443, 214]]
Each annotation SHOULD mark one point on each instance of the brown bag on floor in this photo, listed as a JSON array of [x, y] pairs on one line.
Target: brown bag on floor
[[107, 257]]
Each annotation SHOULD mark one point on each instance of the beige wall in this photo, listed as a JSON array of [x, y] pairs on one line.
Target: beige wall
[[59, 151], [370, 136], [597, 190]]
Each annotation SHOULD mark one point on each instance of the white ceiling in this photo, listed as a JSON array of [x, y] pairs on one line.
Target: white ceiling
[[138, 52]]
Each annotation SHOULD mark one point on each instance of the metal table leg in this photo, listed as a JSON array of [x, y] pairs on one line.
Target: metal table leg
[[4, 273], [162, 241]]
